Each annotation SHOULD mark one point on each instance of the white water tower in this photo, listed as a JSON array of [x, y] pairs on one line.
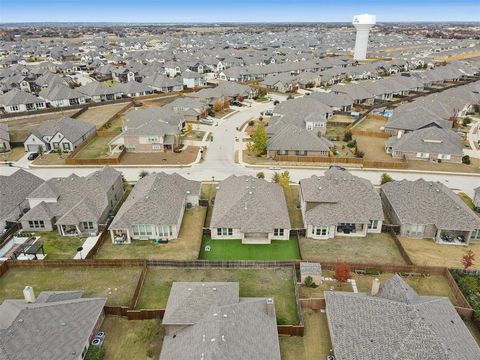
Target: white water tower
[[363, 23]]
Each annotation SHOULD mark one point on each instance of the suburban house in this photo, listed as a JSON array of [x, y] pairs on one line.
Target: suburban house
[[18, 101], [211, 321], [151, 129], [407, 120], [54, 325], [154, 209], [427, 209], [162, 83], [251, 210], [191, 109], [74, 205], [394, 322], [4, 138], [339, 102], [133, 89], [339, 204], [14, 190], [64, 133], [427, 144], [192, 79], [288, 139], [60, 95], [305, 113], [98, 91]]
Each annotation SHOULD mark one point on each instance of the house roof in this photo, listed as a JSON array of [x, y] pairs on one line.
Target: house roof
[[95, 88], [427, 202], [340, 197], [156, 199], [250, 204], [397, 324], [56, 326], [59, 92], [290, 137], [151, 121], [72, 129], [4, 133], [18, 97]]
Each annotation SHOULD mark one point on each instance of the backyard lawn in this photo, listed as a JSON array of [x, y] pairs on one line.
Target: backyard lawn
[[315, 344], [133, 340], [98, 115], [295, 213], [275, 283], [97, 148], [59, 247], [376, 248], [427, 252], [116, 284], [186, 247], [235, 250], [433, 285]]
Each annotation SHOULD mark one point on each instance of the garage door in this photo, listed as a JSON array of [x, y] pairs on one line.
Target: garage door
[[32, 148]]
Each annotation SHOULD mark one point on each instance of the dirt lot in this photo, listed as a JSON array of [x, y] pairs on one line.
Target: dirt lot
[[370, 124], [187, 156], [373, 148], [100, 114], [50, 159], [16, 154], [372, 248], [427, 252], [21, 127]]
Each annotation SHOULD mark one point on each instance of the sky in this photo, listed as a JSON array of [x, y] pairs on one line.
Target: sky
[[169, 11]]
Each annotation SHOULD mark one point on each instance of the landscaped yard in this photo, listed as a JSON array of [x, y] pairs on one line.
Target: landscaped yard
[[59, 247], [52, 158], [132, 340], [433, 285], [97, 148], [295, 213], [116, 284], [376, 248], [275, 283], [186, 247], [335, 130], [315, 344], [425, 252], [194, 135], [235, 250], [373, 148]]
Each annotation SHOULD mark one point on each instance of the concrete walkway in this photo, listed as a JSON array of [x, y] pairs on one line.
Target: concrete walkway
[[88, 245]]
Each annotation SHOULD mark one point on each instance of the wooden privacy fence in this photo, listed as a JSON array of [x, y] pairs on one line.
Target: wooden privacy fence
[[384, 164], [291, 330], [376, 134], [143, 314], [400, 247], [329, 160], [313, 303]]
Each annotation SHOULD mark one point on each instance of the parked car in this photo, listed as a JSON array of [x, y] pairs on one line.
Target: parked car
[[32, 156], [206, 121], [269, 113]]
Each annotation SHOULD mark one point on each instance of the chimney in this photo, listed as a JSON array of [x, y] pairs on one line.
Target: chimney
[[269, 307], [375, 286], [29, 294]]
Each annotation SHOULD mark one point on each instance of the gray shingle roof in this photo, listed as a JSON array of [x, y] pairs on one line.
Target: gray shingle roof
[[250, 204], [72, 129], [291, 137], [152, 121], [4, 133], [397, 324], [18, 97]]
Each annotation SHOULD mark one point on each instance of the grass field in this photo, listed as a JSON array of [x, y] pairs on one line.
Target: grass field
[[372, 248], [369, 124], [96, 149], [99, 115], [133, 340], [59, 247], [275, 283], [427, 252], [235, 250], [186, 247], [434, 285], [295, 213], [94, 282], [315, 344]]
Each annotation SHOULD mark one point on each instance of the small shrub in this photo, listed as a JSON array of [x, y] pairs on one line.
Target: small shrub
[[347, 136], [359, 154], [260, 175], [352, 143], [95, 353], [466, 121], [251, 123], [466, 159], [281, 320], [386, 178], [276, 102], [372, 272], [308, 282]]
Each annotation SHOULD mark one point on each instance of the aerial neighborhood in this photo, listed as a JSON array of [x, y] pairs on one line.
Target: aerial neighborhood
[[274, 191]]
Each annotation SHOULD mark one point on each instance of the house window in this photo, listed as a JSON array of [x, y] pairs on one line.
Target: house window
[[282, 152], [423, 155], [476, 234], [444, 156], [36, 224], [152, 139], [320, 230], [14, 108], [87, 225], [415, 230], [165, 230], [372, 225], [156, 147], [66, 146], [56, 145], [224, 231], [278, 232], [318, 124], [301, 152], [142, 230]]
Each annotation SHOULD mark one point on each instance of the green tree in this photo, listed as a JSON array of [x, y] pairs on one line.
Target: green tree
[[276, 177], [466, 159], [260, 175], [385, 178], [284, 179], [308, 282], [466, 121], [260, 140], [347, 136], [40, 151]]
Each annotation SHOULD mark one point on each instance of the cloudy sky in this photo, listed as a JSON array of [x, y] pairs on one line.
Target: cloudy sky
[[235, 11]]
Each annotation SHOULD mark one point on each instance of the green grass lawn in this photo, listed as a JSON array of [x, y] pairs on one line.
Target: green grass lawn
[[133, 340], [275, 283], [94, 282], [98, 148], [235, 250], [59, 247], [295, 213], [466, 199]]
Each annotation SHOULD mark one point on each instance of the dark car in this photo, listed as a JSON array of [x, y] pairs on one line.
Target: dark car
[[32, 156], [337, 167]]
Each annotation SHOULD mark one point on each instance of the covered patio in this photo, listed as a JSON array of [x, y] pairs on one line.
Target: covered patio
[[453, 237], [351, 229]]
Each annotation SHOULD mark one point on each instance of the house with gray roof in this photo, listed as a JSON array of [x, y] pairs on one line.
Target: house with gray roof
[[14, 190], [4, 138], [59, 95], [210, 321], [394, 322], [74, 205], [56, 325], [64, 133], [250, 209], [98, 91], [414, 118], [192, 109], [133, 89], [163, 83], [339, 204], [427, 144], [427, 209], [155, 208], [19, 101]]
